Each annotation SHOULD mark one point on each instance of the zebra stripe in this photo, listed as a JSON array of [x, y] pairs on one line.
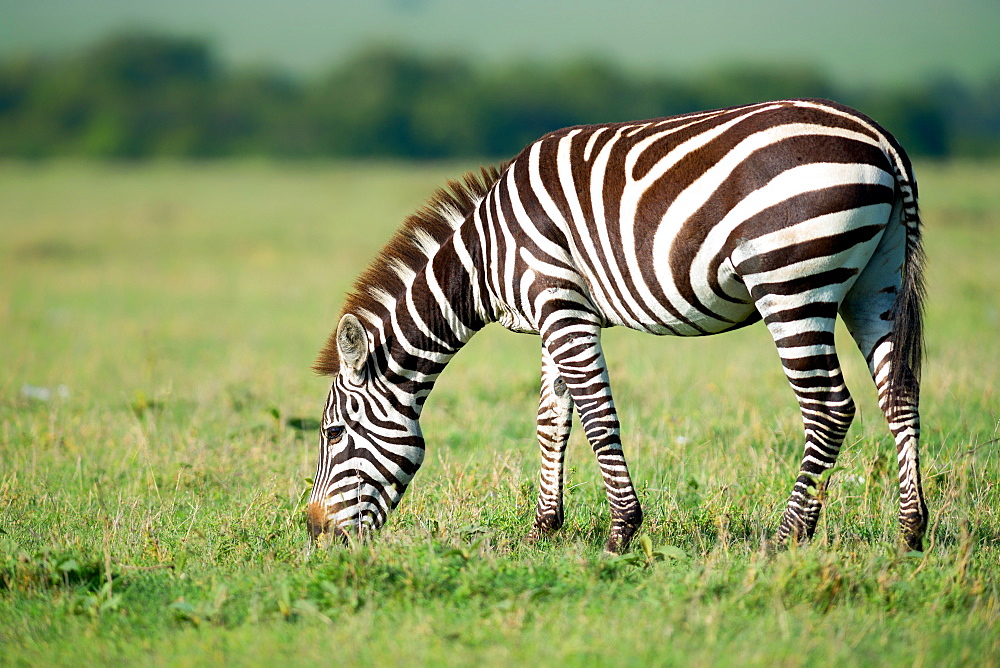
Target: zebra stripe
[[791, 212]]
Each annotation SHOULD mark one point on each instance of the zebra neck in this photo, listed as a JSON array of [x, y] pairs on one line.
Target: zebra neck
[[437, 312]]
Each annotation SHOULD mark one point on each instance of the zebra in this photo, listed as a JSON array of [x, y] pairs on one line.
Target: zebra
[[790, 212]]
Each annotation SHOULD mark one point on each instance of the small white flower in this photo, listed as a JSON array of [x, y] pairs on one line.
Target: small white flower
[[43, 393], [37, 393]]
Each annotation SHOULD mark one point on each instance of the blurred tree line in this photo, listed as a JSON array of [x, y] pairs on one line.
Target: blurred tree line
[[145, 95]]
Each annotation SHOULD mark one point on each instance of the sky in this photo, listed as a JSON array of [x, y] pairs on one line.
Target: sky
[[854, 41]]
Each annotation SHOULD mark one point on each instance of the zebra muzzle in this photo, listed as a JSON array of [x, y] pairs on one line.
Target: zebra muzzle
[[316, 520]]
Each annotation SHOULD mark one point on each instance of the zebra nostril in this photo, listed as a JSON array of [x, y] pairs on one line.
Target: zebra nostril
[[316, 520]]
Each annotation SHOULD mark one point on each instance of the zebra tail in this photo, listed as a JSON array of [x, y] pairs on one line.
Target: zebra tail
[[906, 358]]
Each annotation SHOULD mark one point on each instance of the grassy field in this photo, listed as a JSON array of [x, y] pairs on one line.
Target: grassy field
[[157, 324]]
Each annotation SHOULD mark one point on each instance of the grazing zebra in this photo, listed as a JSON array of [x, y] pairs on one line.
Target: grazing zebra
[[790, 212]]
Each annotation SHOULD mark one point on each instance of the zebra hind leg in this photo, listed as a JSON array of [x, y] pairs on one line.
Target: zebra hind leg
[[804, 336], [868, 316], [900, 408], [555, 415]]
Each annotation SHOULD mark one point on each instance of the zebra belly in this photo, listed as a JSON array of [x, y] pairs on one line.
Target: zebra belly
[[724, 306]]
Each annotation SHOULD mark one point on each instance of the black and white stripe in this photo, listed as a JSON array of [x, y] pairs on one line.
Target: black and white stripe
[[791, 212]]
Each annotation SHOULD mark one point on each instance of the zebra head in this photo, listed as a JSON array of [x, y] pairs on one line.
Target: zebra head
[[370, 444]]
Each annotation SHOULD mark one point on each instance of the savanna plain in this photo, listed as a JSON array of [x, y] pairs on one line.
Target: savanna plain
[[158, 437]]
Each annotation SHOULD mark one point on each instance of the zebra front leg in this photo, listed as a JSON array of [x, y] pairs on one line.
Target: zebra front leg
[[555, 415], [575, 348]]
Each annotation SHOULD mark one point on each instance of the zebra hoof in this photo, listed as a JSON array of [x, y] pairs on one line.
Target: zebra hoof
[[623, 528], [619, 541], [616, 546], [545, 526], [913, 531], [539, 533], [914, 543]]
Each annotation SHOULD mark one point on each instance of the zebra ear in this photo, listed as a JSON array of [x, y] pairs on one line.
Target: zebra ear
[[352, 342]]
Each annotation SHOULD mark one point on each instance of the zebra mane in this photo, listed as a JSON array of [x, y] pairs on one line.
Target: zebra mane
[[409, 250]]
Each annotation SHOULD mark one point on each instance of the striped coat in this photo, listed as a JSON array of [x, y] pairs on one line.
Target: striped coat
[[791, 212]]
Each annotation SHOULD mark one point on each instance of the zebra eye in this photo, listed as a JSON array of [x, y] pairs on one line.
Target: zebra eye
[[334, 432]]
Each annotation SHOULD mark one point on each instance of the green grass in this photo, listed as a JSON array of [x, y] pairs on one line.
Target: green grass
[[152, 509]]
